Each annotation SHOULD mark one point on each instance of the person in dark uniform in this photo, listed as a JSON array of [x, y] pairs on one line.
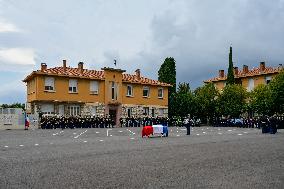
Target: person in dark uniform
[[121, 122], [186, 123]]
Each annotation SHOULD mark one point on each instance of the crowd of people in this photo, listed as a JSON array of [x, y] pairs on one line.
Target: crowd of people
[[257, 122], [54, 122], [62, 122]]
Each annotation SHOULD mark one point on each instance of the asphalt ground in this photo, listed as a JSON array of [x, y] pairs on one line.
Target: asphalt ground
[[211, 157]]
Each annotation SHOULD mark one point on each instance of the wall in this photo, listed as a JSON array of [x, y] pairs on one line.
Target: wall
[[12, 118], [62, 92], [138, 95]]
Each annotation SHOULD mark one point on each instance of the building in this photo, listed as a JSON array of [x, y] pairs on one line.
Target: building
[[77, 91], [249, 79]]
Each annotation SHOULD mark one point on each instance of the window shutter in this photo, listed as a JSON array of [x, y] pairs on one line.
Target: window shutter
[[94, 87]]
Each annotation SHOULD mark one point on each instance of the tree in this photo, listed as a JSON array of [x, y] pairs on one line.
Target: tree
[[277, 88], [14, 105], [183, 101], [230, 76], [232, 100], [261, 100], [206, 98], [167, 74]]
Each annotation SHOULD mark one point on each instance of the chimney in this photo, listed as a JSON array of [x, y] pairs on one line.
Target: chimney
[[221, 73], [236, 71], [43, 67], [138, 74], [245, 69], [262, 66], [81, 67], [64, 65]]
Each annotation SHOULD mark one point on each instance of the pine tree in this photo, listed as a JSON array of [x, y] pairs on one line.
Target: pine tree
[[230, 76]]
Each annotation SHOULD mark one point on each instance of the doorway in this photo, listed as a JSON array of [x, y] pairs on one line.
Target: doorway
[[112, 114]]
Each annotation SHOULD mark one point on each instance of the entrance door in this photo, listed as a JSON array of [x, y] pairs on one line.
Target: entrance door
[[61, 110], [112, 114]]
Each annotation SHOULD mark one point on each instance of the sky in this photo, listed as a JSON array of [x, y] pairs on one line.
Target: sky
[[138, 34]]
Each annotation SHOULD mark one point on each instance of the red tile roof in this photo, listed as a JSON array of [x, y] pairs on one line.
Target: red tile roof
[[250, 73], [92, 74]]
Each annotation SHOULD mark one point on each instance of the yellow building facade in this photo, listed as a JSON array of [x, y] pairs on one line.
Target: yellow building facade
[[248, 78], [77, 91]]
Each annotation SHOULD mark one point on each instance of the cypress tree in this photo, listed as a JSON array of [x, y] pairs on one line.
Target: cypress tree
[[230, 76], [167, 74]]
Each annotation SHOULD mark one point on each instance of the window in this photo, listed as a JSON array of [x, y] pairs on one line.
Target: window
[[129, 90], [250, 85], [146, 92], [94, 87], [73, 86], [47, 108], [129, 112], [114, 90], [267, 79], [160, 93], [94, 111], [146, 111], [48, 84], [74, 110], [161, 112]]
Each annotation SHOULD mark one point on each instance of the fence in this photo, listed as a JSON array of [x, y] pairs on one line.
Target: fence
[[13, 118]]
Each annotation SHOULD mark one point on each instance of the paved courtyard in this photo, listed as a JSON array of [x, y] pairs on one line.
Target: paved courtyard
[[119, 158]]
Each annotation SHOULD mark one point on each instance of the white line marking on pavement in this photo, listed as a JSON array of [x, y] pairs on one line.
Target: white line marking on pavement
[[245, 132], [97, 132], [21, 145], [110, 135], [74, 133], [178, 135], [201, 129], [219, 133], [130, 131], [177, 131], [197, 134], [6, 146], [219, 129], [108, 130], [204, 132], [81, 134], [85, 141], [132, 138], [36, 144], [120, 131], [101, 140], [229, 130], [240, 134]]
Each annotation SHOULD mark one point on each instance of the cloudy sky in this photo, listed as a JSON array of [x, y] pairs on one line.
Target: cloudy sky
[[139, 34]]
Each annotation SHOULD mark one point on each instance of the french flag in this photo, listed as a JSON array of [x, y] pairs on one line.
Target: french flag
[[155, 129], [27, 121]]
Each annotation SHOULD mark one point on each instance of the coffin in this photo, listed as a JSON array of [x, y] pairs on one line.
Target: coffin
[[155, 129]]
